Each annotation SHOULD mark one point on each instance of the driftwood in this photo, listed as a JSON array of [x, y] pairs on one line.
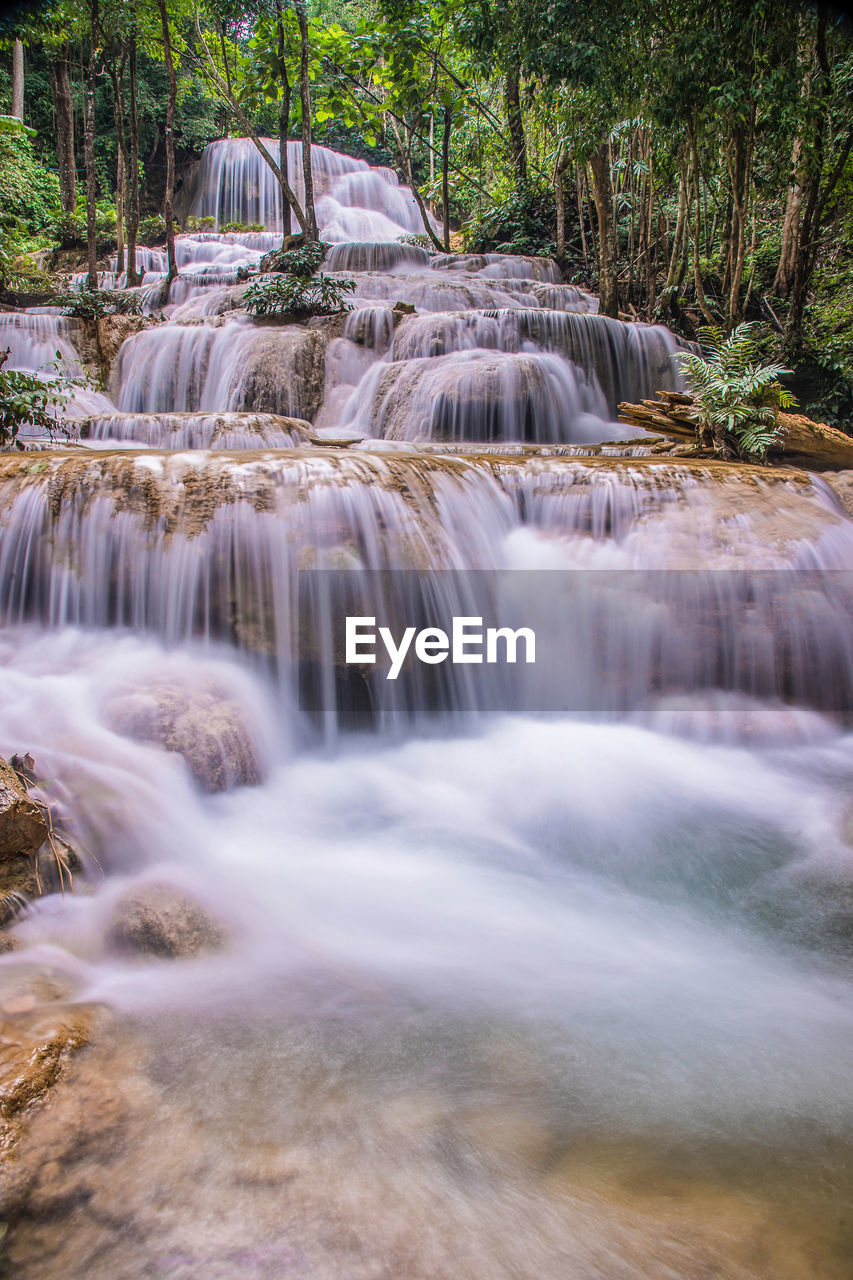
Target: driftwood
[[802, 441]]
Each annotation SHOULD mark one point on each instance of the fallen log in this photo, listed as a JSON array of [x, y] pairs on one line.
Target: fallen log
[[801, 442]]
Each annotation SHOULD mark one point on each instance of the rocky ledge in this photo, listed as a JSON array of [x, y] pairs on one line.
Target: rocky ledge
[[801, 441]]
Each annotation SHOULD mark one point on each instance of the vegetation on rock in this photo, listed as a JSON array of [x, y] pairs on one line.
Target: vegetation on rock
[[737, 398], [28, 399], [298, 297]]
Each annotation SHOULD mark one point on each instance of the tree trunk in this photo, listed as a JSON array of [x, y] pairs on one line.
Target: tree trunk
[[133, 176], [518, 142], [283, 125], [680, 221], [445, 179], [121, 208], [791, 227], [305, 93], [603, 194], [89, 151], [560, 203], [579, 192], [697, 273], [170, 145], [64, 131], [18, 80], [116, 75]]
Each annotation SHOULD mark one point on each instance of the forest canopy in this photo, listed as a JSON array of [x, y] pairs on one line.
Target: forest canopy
[[690, 161]]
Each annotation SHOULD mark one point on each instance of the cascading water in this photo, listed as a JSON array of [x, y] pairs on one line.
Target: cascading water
[[517, 972]]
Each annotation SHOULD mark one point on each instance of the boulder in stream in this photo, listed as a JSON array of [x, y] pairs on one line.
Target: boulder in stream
[[22, 826], [162, 920], [203, 725]]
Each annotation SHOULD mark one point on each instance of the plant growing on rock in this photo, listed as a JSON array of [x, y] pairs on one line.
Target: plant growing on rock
[[302, 261], [28, 399], [737, 398], [93, 304], [296, 297]]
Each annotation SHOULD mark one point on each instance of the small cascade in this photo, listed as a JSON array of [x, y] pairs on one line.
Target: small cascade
[[237, 365], [390, 256], [371, 327], [197, 430], [480, 396], [499, 266], [626, 360], [565, 297], [35, 341], [446, 291], [212, 549]]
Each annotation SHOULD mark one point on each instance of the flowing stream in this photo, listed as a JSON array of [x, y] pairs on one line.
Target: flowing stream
[[524, 976]]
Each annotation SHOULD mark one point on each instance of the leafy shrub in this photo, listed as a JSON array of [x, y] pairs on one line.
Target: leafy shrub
[[524, 222], [70, 229], [193, 223], [237, 227], [831, 400], [27, 399], [737, 398], [92, 304], [419, 241], [152, 230], [289, 295], [301, 262], [30, 192], [18, 271]]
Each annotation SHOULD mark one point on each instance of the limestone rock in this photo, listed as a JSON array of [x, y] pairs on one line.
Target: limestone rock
[[161, 920], [285, 372], [202, 725], [22, 827], [112, 331], [36, 1041]]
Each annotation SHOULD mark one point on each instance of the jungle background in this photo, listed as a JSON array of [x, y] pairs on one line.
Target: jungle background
[[689, 161]]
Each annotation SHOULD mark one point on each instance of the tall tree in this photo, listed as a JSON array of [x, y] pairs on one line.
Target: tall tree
[[169, 193], [305, 95], [89, 149], [64, 111], [18, 80], [133, 170]]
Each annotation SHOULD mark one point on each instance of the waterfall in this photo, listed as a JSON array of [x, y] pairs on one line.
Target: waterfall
[[232, 366], [197, 430], [487, 969], [235, 184], [35, 341]]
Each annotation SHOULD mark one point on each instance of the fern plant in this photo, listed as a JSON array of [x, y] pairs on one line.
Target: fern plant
[[737, 398]]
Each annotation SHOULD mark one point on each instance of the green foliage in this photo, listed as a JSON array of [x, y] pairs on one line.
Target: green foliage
[[69, 229], [420, 241], [301, 262], [298, 297], [27, 399], [192, 223], [93, 304], [737, 398], [521, 223], [152, 230], [239, 227], [30, 192], [18, 271]]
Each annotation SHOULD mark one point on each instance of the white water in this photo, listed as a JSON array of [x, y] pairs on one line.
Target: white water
[[514, 967]]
